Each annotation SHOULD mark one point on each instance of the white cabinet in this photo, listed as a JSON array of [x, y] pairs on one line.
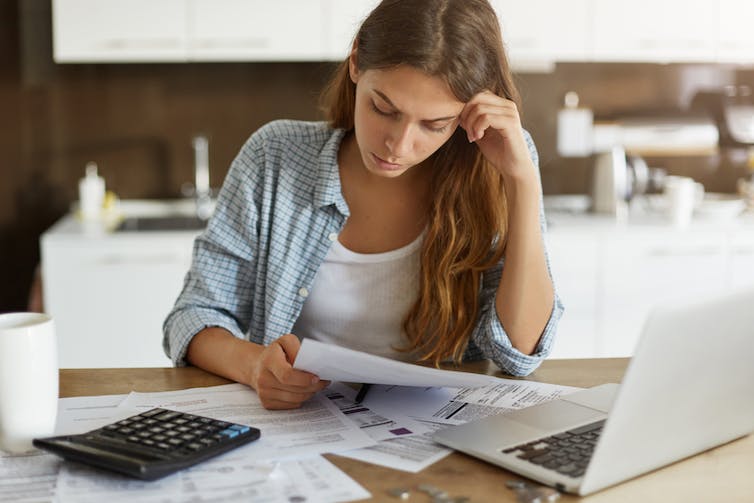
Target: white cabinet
[[255, 30], [109, 293], [543, 30], [574, 262], [654, 30], [610, 276], [740, 266], [642, 269], [118, 31], [342, 19], [736, 40]]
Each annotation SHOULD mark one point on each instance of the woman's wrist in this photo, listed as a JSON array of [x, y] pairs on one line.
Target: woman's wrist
[[218, 351]]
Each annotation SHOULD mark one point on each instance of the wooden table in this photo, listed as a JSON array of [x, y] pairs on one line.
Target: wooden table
[[724, 474]]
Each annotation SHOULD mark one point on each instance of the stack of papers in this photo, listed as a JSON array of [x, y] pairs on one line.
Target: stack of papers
[[391, 427]]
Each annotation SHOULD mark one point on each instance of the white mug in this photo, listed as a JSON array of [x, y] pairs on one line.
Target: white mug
[[28, 379], [683, 194]]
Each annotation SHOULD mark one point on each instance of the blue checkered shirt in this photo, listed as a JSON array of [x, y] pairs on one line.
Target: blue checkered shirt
[[276, 214]]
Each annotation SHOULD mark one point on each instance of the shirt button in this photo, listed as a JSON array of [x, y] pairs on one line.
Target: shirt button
[[332, 236], [303, 292]]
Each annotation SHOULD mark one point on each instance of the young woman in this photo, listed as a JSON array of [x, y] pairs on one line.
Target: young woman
[[409, 225]]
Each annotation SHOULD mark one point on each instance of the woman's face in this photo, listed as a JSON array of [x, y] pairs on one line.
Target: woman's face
[[402, 117]]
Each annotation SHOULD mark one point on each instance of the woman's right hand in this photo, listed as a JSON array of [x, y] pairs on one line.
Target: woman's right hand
[[277, 383]]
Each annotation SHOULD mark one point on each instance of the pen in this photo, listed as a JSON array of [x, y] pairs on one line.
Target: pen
[[362, 392]]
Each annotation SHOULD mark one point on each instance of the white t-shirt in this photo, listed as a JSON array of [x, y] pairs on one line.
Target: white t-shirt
[[360, 301]]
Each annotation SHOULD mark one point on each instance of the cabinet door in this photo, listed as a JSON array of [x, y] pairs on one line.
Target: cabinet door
[[740, 271], [342, 18], [255, 30], [736, 33], [118, 31], [654, 30], [643, 270], [109, 299], [543, 30], [574, 262]]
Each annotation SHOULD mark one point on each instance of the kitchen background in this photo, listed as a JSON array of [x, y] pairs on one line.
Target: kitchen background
[[137, 120]]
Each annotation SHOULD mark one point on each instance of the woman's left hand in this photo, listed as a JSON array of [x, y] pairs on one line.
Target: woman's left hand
[[494, 124]]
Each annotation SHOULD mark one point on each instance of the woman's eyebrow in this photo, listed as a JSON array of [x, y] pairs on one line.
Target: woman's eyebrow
[[387, 100]]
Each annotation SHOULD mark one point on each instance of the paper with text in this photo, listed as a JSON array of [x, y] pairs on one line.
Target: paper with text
[[335, 363]]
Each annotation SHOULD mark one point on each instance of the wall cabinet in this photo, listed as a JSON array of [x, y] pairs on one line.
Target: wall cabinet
[[535, 32], [654, 30]]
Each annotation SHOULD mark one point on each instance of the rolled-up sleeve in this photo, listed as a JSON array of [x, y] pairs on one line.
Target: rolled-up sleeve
[[218, 288]]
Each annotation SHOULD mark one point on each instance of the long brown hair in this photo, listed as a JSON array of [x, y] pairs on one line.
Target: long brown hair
[[460, 42]]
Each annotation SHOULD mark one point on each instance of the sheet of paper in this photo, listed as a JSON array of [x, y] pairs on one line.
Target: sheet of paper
[[229, 478], [315, 428], [335, 363], [373, 424], [454, 406], [437, 408], [33, 476], [411, 454]]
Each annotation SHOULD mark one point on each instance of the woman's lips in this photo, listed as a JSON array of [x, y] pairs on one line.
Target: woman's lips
[[383, 164]]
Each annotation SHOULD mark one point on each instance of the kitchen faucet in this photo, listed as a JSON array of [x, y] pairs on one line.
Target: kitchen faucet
[[202, 193]]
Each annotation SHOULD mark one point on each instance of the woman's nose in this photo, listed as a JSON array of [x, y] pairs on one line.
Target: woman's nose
[[399, 140]]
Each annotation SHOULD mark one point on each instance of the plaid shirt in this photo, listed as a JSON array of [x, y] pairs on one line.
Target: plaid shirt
[[278, 212]]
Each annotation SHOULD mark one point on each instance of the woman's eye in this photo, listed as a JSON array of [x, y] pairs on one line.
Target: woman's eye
[[381, 112], [441, 129]]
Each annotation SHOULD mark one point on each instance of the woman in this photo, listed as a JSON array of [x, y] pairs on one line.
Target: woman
[[385, 229]]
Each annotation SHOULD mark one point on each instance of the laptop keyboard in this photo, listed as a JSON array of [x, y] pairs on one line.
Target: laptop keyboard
[[567, 453]]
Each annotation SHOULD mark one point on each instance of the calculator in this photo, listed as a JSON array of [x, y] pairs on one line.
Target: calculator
[[152, 444]]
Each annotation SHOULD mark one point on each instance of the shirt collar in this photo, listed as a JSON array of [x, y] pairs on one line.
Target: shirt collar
[[328, 189]]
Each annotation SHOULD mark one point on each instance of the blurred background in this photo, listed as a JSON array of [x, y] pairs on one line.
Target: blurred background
[[123, 84]]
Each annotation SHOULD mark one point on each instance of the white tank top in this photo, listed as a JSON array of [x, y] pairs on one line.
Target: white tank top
[[360, 301]]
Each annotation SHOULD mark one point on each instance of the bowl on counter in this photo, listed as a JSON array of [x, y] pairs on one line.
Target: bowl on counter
[[719, 206]]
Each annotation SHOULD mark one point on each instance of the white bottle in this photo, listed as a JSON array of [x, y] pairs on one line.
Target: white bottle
[[574, 128], [91, 193]]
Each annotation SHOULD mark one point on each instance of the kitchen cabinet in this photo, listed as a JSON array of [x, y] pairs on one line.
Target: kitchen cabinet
[[110, 292], [610, 276], [736, 41], [660, 31], [342, 18], [561, 34], [574, 263], [115, 31], [537, 33], [255, 30], [642, 269]]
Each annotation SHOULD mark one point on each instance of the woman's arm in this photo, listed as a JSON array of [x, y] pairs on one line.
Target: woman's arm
[[267, 369], [525, 298], [525, 294]]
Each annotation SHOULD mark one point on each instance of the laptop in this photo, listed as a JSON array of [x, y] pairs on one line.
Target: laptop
[[692, 374]]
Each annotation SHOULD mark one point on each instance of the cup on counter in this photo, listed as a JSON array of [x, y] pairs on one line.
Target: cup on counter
[[682, 194], [28, 379]]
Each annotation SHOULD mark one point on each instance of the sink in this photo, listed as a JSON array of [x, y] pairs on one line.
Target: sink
[[161, 223]]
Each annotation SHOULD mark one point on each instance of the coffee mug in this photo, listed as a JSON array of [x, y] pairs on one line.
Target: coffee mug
[[28, 379], [683, 194]]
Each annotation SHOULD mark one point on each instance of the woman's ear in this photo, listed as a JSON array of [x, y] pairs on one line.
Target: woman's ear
[[353, 69]]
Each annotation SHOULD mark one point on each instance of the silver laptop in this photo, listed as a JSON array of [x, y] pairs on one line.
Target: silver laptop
[[692, 374]]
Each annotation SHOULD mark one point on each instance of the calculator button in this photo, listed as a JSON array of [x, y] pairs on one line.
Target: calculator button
[[194, 424], [156, 429], [152, 412], [229, 433], [148, 441], [159, 438], [188, 437], [175, 441], [240, 428], [221, 424], [125, 431], [207, 441], [167, 415], [149, 421], [180, 420], [171, 433], [162, 445], [194, 446], [183, 429], [133, 438]]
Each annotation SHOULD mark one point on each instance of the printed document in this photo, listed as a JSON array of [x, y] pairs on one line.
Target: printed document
[[334, 363], [315, 428]]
